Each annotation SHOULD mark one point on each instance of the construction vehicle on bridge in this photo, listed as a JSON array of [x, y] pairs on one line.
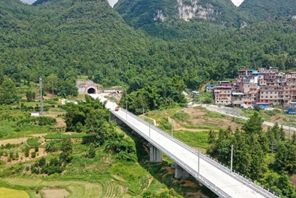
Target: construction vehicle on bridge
[[117, 108]]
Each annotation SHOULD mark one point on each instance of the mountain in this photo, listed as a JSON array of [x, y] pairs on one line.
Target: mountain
[[61, 39], [269, 9], [180, 18], [140, 12]]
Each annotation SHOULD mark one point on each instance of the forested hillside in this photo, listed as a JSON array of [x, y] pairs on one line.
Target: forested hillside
[[268, 9], [60, 40], [155, 61]]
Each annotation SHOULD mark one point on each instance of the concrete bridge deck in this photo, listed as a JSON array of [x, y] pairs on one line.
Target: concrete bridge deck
[[215, 176]]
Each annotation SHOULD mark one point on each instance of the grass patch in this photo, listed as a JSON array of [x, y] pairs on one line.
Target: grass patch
[[211, 114], [181, 116], [201, 126], [149, 120], [64, 136], [10, 193], [194, 139], [33, 142]]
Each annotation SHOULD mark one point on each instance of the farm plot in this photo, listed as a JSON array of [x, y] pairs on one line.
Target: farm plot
[[11, 193]]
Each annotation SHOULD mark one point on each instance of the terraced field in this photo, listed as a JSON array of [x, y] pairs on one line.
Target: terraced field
[[76, 188], [113, 190], [11, 193]]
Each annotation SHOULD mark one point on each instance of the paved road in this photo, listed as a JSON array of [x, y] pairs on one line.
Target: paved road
[[236, 113], [219, 180]]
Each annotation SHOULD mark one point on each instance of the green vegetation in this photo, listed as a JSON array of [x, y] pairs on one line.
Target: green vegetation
[[5, 192], [140, 14], [254, 151], [33, 142], [181, 116], [194, 139], [262, 9], [153, 70], [65, 136], [154, 63]]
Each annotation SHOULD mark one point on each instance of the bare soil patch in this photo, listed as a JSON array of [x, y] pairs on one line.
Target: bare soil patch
[[169, 170], [119, 178], [60, 121], [293, 179], [191, 130], [198, 116], [190, 184], [55, 193]]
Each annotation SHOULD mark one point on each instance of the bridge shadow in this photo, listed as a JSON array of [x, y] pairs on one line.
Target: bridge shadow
[[164, 171]]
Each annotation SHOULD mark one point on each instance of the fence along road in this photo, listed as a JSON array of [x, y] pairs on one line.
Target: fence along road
[[215, 176]]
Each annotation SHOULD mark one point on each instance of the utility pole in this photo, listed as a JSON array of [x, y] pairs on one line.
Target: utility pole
[[41, 96], [172, 128], [198, 170], [52, 92], [149, 129], [231, 158], [272, 144], [126, 110], [290, 130]]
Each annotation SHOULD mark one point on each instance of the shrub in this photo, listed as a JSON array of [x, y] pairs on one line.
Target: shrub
[[11, 155], [91, 151], [27, 151], [33, 142], [33, 154], [165, 125], [42, 162], [51, 146], [1, 134]]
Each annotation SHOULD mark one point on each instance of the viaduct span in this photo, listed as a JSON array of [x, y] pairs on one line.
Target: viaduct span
[[218, 178]]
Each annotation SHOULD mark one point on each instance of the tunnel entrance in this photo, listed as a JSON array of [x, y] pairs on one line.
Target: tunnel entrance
[[91, 91]]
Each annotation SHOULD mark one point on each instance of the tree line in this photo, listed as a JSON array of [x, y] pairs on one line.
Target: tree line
[[267, 157]]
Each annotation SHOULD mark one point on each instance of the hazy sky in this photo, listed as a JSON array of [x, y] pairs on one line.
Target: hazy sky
[[112, 2], [237, 2]]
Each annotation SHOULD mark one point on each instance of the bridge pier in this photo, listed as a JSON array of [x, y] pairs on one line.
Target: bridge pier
[[115, 119], [180, 173], [155, 154]]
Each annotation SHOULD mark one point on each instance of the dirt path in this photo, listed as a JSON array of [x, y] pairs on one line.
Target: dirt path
[[20, 140], [192, 130], [13, 141]]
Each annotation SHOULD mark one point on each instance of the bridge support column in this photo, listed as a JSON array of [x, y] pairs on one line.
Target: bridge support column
[[115, 119], [155, 154], [180, 173]]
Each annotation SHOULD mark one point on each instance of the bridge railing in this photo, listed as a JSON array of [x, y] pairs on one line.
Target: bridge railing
[[210, 160], [191, 171]]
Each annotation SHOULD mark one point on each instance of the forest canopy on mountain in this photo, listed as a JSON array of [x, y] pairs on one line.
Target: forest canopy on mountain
[[60, 40]]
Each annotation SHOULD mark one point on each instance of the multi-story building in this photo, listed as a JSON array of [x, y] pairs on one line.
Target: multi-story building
[[262, 85], [223, 95]]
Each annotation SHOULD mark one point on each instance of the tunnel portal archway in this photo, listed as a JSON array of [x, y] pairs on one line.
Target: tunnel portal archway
[[91, 90]]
